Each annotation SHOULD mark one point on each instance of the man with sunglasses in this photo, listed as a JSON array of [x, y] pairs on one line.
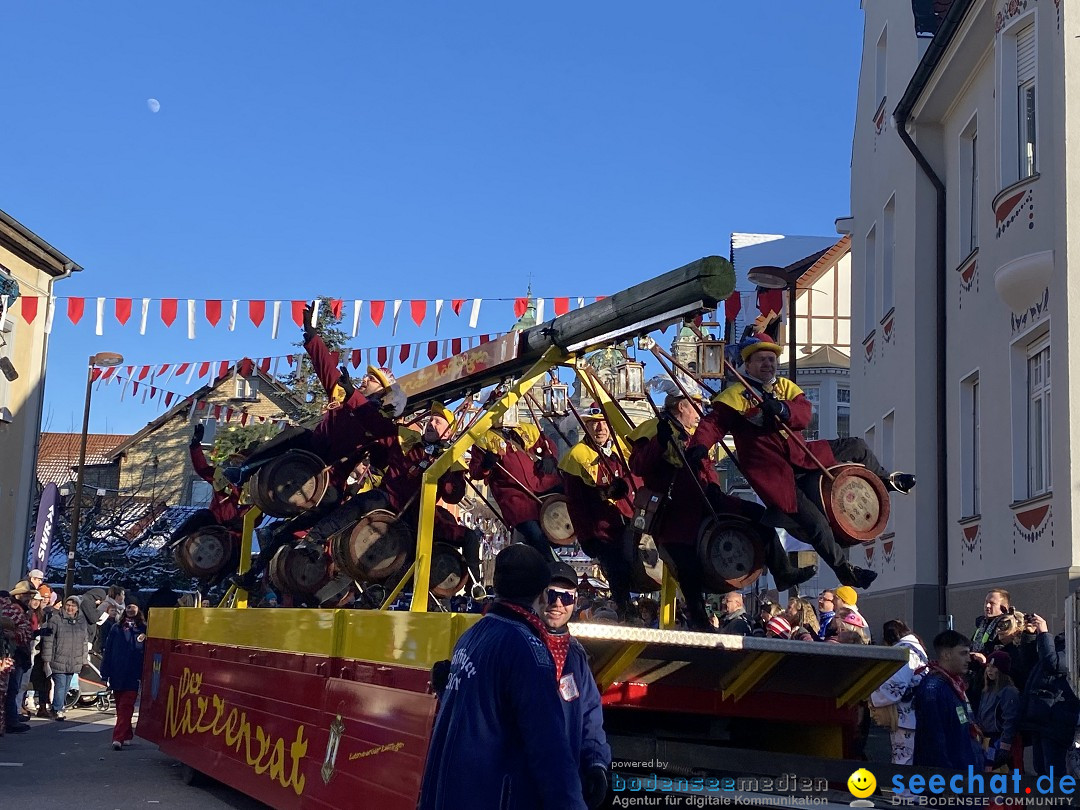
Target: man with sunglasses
[[577, 688]]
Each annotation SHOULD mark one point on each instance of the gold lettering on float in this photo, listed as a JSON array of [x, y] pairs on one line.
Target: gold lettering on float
[[188, 711]]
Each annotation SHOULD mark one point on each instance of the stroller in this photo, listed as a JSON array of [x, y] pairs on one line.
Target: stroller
[[90, 689]]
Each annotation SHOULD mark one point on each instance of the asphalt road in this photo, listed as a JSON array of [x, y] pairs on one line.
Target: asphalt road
[[72, 764]]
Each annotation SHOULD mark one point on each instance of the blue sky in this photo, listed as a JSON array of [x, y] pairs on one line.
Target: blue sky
[[406, 150]]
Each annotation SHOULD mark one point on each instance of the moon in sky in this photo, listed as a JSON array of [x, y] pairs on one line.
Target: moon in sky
[[153, 104]]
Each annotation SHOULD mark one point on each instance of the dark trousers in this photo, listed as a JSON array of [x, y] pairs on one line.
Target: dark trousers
[[688, 571], [615, 565], [776, 558], [534, 536], [1047, 752], [12, 709]]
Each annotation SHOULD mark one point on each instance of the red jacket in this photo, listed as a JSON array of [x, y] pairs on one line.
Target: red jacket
[[517, 505], [408, 458], [767, 454], [224, 504], [594, 516]]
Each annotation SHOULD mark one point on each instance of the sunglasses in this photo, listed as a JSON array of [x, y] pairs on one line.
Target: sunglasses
[[564, 598]]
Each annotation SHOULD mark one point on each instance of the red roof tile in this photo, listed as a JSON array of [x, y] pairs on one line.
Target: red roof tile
[[58, 454]]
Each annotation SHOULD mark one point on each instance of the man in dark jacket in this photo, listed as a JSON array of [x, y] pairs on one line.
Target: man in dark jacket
[[501, 699], [733, 619], [945, 732], [1048, 705], [577, 688]]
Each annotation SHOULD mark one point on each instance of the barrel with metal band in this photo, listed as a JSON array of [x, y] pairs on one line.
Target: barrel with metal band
[[854, 501], [555, 521], [205, 551], [732, 552], [302, 570], [290, 484], [373, 548]]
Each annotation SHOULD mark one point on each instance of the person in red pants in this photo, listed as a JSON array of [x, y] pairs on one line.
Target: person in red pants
[[121, 667]]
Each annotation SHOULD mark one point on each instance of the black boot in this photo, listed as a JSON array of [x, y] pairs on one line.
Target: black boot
[[900, 482], [861, 578], [792, 577]]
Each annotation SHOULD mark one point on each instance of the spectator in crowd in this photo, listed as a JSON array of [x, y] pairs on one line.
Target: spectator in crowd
[[984, 640], [732, 617], [21, 593], [14, 632], [1048, 705], [848, 627], [650, 612], [997, 715], [766, 611], [891, 704], [502, 698], [36, 614], [36, 578], [121, 667], [1011, 639], [778, 627], [945, 732], [64, 651], [804, 621], [577, 688], [826, 604]]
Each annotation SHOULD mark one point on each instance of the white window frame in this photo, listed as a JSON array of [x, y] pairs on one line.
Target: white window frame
[[888, 253], [881, 65], [1013, 78], [247, 388], [970, 446], [1039, 414], [870, 278], [813, 395], [210, 427], [843, 406], [968, 149], [200, 492]]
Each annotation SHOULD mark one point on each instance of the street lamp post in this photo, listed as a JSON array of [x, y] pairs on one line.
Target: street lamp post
[[99, 360]]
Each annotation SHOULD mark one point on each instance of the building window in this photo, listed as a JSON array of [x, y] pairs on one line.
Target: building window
[[247, 388], [970, 419], [201, 492], [1039, 481], [969, 185], [209, 431], [813, 396], [881, 75], [843, 412], [887, 249], [870, 279], [1025, 99]]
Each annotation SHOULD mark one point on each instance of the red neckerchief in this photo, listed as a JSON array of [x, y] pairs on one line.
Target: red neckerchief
[[557, 644]]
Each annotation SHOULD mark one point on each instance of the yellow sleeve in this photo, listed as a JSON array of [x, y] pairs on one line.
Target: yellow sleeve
[[646, 430], [581, 461], [734, 396], [785, 389]]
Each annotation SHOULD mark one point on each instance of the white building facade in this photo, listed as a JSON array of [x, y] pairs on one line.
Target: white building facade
[[953, 304]]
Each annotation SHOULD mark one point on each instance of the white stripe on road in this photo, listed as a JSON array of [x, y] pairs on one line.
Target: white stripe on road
[[11, 764]]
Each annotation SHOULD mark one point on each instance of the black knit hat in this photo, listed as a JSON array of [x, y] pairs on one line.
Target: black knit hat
[[520, 572], [563, 572]]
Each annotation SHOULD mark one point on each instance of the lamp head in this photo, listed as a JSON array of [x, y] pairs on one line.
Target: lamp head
[[769, 276], [106, 359]]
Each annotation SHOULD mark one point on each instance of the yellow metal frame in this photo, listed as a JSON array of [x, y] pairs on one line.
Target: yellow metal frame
[[614, 666], [866, 683], [750, 674], [240, 595], [454, 454]]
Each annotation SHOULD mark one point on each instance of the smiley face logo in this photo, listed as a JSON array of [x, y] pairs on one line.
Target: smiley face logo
[[861, 783]]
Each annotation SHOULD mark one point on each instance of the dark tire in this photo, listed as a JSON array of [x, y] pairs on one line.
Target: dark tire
[[72, 699]]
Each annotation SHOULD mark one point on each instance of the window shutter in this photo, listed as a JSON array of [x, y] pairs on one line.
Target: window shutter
[[1025, 54]]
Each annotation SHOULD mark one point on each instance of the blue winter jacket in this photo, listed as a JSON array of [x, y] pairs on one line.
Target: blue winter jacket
[[122, 663], [943, 727], [584, 712], [499, 736]]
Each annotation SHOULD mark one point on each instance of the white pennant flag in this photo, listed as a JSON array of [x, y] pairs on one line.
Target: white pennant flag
[[358, 307], [50, 310], [276, 361], [315, 311], [232, 317], [581, 303], [100, 317], [143, 314], [368, 357], [416, 355], [539, 310], [191, 318], [397, 311], [438, 313], [191, 372], [474, 315], [276, 319], [445, 349]]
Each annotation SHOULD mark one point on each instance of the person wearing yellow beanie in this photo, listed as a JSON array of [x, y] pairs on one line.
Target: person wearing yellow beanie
[[847, 596]]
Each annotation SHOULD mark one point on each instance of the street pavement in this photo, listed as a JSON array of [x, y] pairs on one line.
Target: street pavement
[[72, 764]]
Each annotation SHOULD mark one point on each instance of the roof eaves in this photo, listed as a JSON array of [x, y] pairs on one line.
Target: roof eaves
[[930, 60], [67, 264]]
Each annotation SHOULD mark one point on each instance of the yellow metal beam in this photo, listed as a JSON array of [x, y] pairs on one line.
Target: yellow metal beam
[[454, 454], [399, 587], [614, 666], [750, 674], [251, 517], [866, 683], [668, 588], [226, 600]]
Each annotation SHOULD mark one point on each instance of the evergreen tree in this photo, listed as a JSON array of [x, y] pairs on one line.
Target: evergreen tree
[[301, 380]]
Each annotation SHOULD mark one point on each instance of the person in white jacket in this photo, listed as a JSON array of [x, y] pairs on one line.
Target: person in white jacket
[[899, 690]]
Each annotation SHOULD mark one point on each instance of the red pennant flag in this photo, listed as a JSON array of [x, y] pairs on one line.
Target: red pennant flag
[[109, 372], [337, 308], [245, 367], [601, 297], [264, 365], [213, 312], [180, 369], [168, 398], [217, 412], [244, 419], [377, 308], [163, 369], [403, 353], [223, 369], [123, 310], [143, 372], [257, 311], [290, 359], [134, 388], [432, 349], [383, 355], [95, 372], [153, 391], [455, 304], [520, 305], [769, 301], [200, 405], [75, 309], [29, 308], [562, 306], [298, 308], [732, 306], [419, 310], [455, 346], [484, 339], [204, 369], [356, 358], [228, 414], [168, 311]]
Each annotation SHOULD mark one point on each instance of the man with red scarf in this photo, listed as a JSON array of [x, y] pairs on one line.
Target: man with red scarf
[[945, 732]]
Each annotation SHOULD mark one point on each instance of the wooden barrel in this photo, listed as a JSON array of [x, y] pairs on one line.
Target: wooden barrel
[[373, 548], [205, 551], [646, 567], [448, 570], [732, 552], [290, 484], [338, 592], [856, 504], [301, 569], [555, 521]]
